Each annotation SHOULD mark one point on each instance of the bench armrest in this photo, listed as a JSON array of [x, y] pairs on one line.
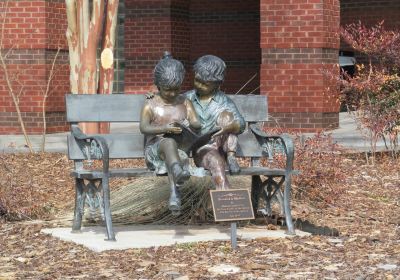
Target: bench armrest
[[284, 139], [100, 142]]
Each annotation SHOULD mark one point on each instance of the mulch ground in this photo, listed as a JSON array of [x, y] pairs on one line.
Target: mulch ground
[[366, 213]]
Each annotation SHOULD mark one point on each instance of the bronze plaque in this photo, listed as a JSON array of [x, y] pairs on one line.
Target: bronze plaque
[[232, 205]]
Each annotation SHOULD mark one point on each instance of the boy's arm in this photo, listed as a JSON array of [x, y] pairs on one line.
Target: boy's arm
[[192, 115], [146, 127], [238, 124], [239, 121]]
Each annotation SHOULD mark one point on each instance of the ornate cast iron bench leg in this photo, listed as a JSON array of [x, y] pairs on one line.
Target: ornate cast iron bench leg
[[272, 189], [269, 188], [79, 204], [286, 202], [107, 209], [96, 149], [286, 142], [256, 191]]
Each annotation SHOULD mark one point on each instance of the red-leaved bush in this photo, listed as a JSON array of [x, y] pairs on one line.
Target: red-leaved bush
[[320, 162], [372, 95]]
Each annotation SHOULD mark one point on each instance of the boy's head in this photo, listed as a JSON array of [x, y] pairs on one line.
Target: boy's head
[[169, 73], [209, 73], [210, 68]]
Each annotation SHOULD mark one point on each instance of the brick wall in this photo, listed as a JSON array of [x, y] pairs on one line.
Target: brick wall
[[191, 29], [298, 39], [147, 36], [285, 42], [33, 31]]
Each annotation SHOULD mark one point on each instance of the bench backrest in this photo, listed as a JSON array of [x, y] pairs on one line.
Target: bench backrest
[[127, 107]]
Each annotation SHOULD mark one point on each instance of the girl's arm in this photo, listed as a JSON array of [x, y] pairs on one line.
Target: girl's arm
[[147, 128], [192, 115]]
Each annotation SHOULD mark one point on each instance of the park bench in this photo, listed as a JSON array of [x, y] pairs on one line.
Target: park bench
[[254, 144]]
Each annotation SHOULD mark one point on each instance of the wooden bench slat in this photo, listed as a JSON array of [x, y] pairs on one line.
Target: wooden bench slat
[[144, 172], [127, 107]]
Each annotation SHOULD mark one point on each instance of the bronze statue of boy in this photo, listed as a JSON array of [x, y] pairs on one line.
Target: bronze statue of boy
[[165, 114], [215, 110]]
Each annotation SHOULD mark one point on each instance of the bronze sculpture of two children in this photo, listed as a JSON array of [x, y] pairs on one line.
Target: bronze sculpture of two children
[[205, 110]]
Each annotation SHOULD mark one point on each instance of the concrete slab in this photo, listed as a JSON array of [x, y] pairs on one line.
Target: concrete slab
[[146, 236]]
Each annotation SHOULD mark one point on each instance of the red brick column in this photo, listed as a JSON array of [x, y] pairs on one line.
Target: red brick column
[[298, 39], [33, 32]]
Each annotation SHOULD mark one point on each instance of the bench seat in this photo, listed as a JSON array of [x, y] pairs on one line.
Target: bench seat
[[144, 172]]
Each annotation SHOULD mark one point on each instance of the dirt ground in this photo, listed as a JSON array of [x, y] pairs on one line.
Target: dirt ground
[[366, 213]]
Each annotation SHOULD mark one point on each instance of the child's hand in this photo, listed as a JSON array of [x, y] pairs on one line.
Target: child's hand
[[232, 127], [173, 128], [185, 123], [149, 95], [220, 132]]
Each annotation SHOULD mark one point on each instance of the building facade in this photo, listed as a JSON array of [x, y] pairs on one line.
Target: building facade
[[275, 48]]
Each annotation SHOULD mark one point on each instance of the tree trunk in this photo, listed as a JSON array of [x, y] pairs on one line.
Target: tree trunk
[[107, 61], [83, 34]]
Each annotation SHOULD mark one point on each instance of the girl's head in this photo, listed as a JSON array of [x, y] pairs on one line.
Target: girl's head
[[169, 73]]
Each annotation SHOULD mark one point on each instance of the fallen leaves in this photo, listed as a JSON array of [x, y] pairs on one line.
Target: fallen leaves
[[366, 215]]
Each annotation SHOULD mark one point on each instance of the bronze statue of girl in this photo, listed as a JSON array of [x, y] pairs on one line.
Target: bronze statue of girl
[[165, 114]]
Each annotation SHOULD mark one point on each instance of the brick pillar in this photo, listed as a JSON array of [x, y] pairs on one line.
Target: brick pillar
[[298, 39], [33, 32]]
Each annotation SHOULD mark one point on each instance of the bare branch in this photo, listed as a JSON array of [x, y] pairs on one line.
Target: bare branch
[[46, 94], [8, 52], [51, 75], [10, 88], [252, 78], [3, 24], [19, 93], [16, 101], [251, 92]]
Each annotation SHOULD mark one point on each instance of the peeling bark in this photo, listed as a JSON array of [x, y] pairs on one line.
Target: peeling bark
[[85, 29], [109, 34], [73, 44], [107, 74]]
